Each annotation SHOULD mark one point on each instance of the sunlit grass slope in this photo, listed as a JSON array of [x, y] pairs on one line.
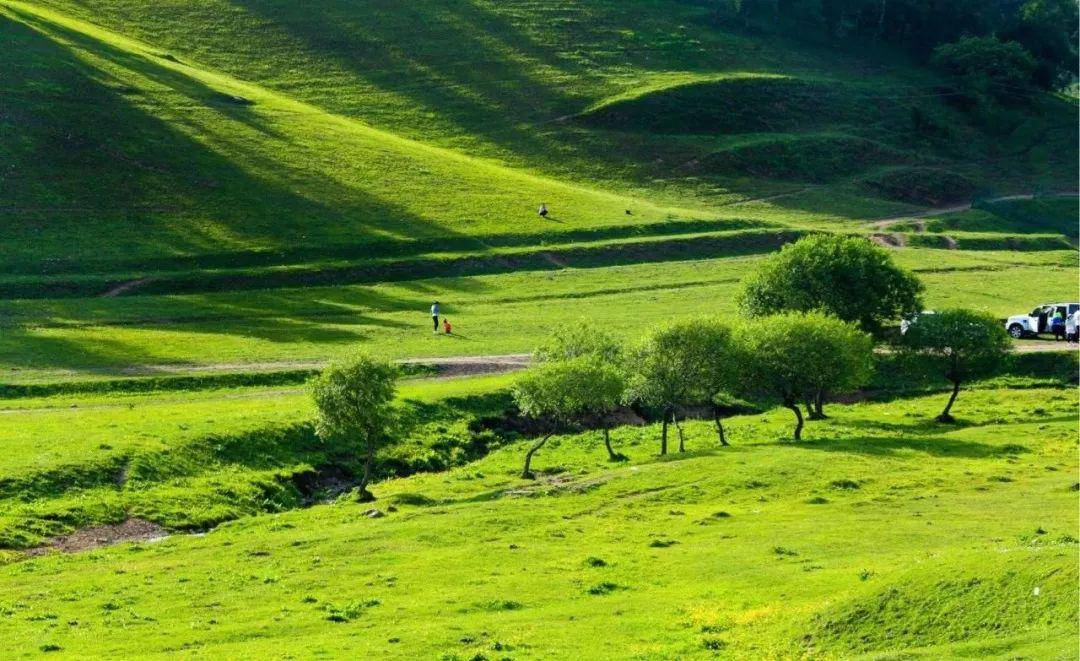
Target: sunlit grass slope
[[507, 313], [231, 127], [881, 534]]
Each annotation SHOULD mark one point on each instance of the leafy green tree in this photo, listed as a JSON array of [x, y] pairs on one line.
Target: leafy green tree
[[847, 277], [958, 344], [794, 356], [579, 339], [1048, 30], [664, 374], [852, 364], [987, 66], [354, 400], [707, 350], [560, 392]]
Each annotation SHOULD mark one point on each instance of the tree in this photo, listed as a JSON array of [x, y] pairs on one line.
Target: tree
[[848, 277], [707, 349], [666, 373], [354, 399], [794, 356], [576, 340], [987, 66], [1048, 30], [559, 392], [850, 367], [958, 344]]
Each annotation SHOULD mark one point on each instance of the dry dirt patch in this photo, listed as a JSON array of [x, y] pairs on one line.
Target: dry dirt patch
[[92, 537]]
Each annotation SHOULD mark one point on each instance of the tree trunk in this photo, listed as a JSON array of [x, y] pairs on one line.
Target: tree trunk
[[362, 493], [527, 473], [809, 403], [945, 415], [682, 437], [719, 426], [663, 433], [612, 455], [798, 419], [819, 405]]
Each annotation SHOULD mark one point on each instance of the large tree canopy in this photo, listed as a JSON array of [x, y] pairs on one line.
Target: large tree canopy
[[847, 277]]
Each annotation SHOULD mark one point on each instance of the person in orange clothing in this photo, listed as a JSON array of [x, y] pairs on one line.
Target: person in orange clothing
[[446, 326]]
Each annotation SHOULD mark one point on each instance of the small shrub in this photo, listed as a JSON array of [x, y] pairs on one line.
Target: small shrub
[[502, 605], [606, 587], [662, 543], [817, 500], [593, 561], [782, 551], [713, 643], [844, 484]]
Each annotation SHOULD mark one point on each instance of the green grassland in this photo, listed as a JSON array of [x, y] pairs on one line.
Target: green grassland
[[507, 313], [201, 201], [883, 532]]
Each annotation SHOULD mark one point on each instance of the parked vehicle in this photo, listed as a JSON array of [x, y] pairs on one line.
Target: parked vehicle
[[1038, 320]]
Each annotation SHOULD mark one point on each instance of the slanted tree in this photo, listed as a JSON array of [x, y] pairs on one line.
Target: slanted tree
[[560, 392], [354, 400], [960, 345], [846, 276], [672, 368], [794, 356]]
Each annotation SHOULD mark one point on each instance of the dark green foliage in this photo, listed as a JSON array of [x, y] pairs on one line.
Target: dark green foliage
[[1048, 30], [987, 66], [959, 345], [847, 277]]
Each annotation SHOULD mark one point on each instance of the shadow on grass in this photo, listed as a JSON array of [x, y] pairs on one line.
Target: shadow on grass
[[936, 446]]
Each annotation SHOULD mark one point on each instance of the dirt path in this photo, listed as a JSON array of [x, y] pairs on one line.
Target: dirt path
[[885, 223]]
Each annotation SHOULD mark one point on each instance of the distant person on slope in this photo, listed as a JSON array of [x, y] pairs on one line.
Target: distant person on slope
[[435, 317], [1072, 327], [543, 212]]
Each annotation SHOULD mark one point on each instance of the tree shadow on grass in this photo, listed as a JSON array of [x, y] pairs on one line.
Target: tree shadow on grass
[[936, 446]]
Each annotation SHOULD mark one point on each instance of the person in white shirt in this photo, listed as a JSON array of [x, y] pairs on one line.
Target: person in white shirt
[[1072, 327], [435, 317]]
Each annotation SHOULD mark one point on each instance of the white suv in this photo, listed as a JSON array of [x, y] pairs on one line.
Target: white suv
[[1038, 321]]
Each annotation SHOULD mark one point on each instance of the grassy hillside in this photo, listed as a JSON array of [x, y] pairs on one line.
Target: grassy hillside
[[208, 127], [882, 533]]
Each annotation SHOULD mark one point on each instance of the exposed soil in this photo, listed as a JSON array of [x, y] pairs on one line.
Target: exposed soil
[[132, 530]]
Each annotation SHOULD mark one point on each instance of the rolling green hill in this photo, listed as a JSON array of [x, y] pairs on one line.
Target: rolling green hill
[[203, 201], [193, 128]]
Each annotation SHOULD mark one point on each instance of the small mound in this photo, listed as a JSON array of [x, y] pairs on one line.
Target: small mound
[[920, 185], [993, 598], [816, 158], [745, 104]]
